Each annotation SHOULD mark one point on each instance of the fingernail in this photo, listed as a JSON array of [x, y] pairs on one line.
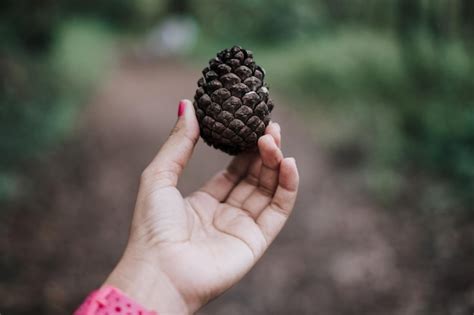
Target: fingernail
[[181, 108], [278, 126]]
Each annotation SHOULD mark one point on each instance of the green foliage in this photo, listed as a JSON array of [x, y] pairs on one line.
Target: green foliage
[[82, 51], [40, 97], [19, 114], [49, 62], [440, 139], [29, 25], [27, 116], [343, 65], [400, 71], [422, 81], [262, 21]]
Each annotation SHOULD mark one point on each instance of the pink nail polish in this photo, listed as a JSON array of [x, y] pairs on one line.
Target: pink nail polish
[[181, 108]]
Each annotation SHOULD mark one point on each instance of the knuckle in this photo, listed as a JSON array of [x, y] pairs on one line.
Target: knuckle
[[167, 175], [175, 130], [145, 175], [252, 179], [280, 209], [158, 177], [184, 135], [266, 190], [229, 176]]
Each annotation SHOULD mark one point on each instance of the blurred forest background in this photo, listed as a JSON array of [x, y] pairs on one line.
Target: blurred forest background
[[385, 87]]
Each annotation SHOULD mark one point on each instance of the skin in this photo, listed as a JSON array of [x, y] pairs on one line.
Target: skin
[[184, 251]]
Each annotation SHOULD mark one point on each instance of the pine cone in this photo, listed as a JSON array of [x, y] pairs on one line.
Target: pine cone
[[231, 102]]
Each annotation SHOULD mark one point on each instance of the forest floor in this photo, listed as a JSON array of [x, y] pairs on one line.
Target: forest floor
[[339, 253]]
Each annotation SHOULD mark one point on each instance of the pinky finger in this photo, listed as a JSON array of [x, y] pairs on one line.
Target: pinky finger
[[274, 216]]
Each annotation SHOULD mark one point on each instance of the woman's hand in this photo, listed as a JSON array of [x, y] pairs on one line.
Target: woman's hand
[[184, 251]]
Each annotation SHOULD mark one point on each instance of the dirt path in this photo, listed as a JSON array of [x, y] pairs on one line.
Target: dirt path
[[337, 255]]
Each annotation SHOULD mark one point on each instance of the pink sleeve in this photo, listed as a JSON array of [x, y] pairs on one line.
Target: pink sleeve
[[110, 301]]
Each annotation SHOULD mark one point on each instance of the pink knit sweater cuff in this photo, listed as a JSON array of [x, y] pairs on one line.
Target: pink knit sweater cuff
[[111, 301]]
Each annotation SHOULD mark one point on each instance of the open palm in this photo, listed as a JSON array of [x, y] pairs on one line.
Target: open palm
[[203, 244]]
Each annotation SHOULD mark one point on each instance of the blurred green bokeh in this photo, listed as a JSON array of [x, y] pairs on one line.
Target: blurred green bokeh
[[411, 59], [51, 55], [404, 68]]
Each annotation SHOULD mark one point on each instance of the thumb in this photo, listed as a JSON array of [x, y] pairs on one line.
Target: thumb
[[173, 156]]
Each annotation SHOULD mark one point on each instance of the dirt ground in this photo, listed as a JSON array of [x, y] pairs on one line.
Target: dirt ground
[[339, 253]]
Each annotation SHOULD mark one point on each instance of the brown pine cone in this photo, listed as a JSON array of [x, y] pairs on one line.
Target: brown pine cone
[[232, 103]]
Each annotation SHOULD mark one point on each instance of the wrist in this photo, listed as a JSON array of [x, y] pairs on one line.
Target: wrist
[[143, 281]]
